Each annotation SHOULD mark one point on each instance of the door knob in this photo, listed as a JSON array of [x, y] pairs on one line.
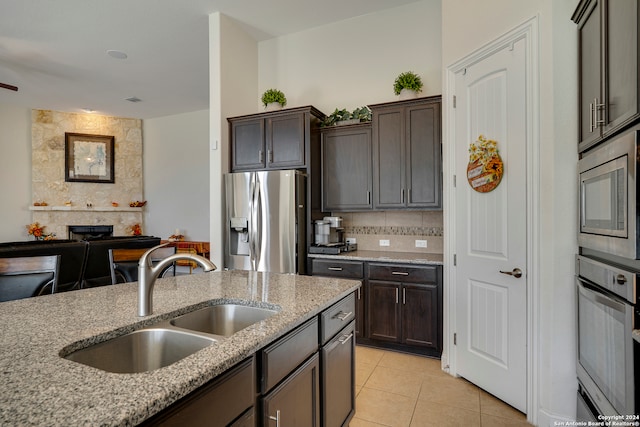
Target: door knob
[[517, 273]]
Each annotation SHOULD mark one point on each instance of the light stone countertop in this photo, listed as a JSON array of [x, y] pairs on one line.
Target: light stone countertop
[[379, 256], [41, 388], [636, 334]]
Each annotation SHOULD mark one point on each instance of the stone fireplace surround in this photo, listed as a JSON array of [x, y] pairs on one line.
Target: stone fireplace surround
[[90, 203]]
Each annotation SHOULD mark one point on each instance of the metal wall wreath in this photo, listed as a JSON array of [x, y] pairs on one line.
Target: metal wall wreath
[[485, 168]]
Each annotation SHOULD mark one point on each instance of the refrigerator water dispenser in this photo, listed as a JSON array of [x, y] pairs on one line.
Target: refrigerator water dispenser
[[239, 234]]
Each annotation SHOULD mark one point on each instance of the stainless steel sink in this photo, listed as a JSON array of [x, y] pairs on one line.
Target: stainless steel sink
[[141, 351], [223, 319]]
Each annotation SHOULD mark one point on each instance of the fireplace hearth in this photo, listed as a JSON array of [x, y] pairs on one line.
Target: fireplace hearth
[[88, 232]]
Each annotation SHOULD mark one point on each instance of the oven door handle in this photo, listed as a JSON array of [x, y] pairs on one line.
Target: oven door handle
[[597, 296]]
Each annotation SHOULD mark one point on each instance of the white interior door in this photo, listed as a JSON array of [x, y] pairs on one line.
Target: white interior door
[[491, 228]]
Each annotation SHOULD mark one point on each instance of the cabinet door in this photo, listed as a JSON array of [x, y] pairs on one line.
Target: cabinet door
[[360, 313], [389, 158], [285, 139], [215, 404], [420, 315], [383, 310], [346, 169], [338, 378], [423, 156], [295, 402], [589, 69], [247, 150], [247, 419], [621, 63]]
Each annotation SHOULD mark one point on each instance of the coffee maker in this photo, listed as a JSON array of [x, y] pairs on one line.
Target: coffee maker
[[329, 236]]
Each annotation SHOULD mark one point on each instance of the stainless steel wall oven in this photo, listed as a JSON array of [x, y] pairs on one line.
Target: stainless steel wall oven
[[608, 354]]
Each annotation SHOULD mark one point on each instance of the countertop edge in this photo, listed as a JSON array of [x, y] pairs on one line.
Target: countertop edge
[[391, 257]]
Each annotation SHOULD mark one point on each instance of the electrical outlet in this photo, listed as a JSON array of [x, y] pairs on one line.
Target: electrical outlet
[[351, 240], [384, 242], [421, 243]]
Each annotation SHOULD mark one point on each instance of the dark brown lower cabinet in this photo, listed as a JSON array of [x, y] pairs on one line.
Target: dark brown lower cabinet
[[420, 302], [248, 419], [338, 378], [404, 307], [296, 401], [347, 270], [226, 398], [384, 311]]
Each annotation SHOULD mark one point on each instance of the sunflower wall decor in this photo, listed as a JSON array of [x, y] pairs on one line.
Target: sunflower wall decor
[[485, 168]]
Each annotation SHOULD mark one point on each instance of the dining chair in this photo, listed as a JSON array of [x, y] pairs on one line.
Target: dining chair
[[124, 263], [24, 277]]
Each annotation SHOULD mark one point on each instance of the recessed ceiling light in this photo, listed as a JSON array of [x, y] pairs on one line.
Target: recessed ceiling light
[[133, 99], [117, 54], [88, 110]]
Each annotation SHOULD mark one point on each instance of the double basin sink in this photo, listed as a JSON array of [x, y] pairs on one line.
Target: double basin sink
[[169, 341]]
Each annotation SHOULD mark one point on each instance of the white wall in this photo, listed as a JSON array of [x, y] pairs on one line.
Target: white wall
[[15, 172], [466, 26], [233, 87], [354, 62], [176, 175]]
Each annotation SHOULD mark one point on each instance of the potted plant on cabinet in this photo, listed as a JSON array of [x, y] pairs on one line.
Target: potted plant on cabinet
[[407, 85], [273, 99], [344, 117]]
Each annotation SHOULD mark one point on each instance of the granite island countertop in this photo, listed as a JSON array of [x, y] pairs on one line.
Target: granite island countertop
[[41, 388], [380, 256]]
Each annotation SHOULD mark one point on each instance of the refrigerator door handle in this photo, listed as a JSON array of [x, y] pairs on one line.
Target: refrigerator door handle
[[252, 226], [257, 241]]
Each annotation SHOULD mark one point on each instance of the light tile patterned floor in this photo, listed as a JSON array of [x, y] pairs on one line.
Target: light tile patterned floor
[[402, 390]]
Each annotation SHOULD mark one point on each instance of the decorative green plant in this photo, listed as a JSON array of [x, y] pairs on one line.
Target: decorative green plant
[[362, 114], [407, 80], [273, 95]]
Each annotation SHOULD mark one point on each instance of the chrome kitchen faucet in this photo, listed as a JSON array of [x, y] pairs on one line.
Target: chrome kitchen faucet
[[148, 273]]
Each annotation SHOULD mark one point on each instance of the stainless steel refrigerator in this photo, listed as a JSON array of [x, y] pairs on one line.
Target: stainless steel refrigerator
[[265, 228]]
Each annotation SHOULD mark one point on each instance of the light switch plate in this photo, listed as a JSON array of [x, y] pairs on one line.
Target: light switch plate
[[384, 242], [351, 240], [421, 243]]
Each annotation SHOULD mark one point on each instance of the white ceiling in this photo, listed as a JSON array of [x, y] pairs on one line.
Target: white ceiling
[[55, 51]]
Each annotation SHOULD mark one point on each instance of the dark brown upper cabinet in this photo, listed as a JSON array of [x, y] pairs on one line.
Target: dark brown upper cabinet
[[273, 140], [407, 154], [346, 168], [607, 68]]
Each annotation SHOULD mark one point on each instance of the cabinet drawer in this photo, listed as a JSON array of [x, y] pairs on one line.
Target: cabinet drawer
[[403, 273], [284, 355], [214, 404], [337, 317], [327, 267]]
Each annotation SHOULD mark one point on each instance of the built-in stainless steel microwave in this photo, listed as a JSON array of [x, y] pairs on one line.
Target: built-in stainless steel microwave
[[608, 211]]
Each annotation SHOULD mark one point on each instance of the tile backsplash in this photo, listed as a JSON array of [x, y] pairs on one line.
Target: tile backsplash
[[400, 228]]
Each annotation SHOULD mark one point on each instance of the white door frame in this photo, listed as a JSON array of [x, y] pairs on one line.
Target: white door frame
[[527, 31]]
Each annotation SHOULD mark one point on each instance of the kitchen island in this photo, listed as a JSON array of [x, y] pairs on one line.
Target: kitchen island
[[39, 387]]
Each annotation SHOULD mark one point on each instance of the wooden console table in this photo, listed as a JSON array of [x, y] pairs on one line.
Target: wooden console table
[[201, 248]]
